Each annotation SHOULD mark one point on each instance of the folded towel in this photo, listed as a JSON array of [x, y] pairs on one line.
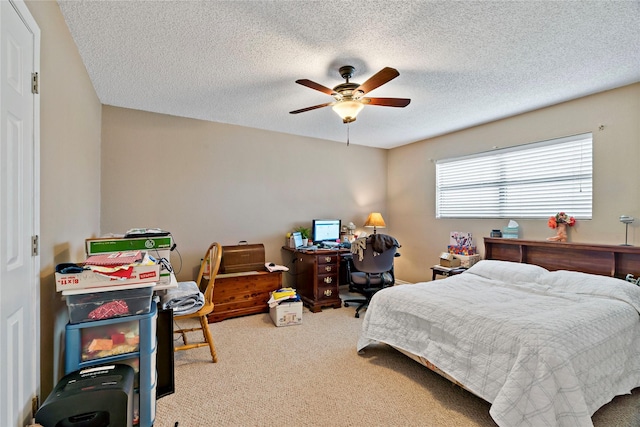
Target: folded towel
[[185, 299]]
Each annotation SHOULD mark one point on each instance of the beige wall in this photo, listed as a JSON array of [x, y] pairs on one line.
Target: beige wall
[[70, 115], [411, 196], [208, 182]]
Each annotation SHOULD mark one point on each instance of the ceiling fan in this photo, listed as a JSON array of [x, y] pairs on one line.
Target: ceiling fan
[[349, 97]]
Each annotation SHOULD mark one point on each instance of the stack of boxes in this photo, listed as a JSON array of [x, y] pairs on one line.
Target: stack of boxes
[[113, 320], [157, 246], [461, 245]]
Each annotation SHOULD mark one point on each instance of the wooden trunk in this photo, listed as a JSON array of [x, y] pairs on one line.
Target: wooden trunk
[[242, 257], [239, 294]]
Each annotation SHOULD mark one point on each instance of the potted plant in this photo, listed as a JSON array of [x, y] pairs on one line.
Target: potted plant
[[305, 233]]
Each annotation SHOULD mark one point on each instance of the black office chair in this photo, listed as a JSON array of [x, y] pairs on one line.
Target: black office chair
[[374, 271]]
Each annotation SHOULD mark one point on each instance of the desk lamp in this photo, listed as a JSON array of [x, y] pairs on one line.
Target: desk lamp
[[375, 220], [626, 220]]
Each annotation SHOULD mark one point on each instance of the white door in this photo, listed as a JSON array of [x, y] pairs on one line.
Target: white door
[[19, 214]]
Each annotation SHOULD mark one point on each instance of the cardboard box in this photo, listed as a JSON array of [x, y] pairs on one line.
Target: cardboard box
[[89, 279], [467, 261], [157, 247], [286, 313], [448, 260]]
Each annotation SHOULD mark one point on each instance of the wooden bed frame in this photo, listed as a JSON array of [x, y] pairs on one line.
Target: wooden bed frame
[[604, 260]]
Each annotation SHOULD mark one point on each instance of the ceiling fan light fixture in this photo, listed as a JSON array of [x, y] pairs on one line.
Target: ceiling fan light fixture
[[348, 110]]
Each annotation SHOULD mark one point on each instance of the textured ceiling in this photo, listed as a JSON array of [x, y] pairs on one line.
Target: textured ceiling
[[462, 63]]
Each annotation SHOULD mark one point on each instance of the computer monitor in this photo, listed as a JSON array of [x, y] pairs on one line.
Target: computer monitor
[[326, 230]]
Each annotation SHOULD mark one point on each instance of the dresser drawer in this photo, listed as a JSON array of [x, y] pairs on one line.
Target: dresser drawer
[[327, 259], [327, 291], [324, 269], [327, 279]]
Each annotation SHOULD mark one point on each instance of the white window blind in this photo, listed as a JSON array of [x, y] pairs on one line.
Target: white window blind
[[529, 181]]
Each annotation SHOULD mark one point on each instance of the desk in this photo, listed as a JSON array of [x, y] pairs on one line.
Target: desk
[[439, 270], [317, 275]]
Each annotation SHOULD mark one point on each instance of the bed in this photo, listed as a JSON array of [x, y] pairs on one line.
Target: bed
[[546, 346]]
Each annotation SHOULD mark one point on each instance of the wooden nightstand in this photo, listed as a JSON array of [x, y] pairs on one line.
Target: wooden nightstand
[[439, 270]]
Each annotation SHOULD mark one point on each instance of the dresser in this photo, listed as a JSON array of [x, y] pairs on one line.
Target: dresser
[[317, 277]]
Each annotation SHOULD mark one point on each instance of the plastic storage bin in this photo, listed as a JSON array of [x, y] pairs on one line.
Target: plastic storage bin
[[106, 303], [77, 356]]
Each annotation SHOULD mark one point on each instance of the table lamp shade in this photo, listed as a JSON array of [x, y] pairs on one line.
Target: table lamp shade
[[375, 220]]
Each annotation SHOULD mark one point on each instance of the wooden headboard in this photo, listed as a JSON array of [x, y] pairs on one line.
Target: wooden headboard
[[605, 260]]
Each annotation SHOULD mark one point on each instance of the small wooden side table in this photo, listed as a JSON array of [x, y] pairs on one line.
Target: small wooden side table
[[439, 270]]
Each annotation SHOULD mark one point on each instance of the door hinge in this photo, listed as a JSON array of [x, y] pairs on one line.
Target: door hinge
[[35, 246], [35, 83], [35, 405]]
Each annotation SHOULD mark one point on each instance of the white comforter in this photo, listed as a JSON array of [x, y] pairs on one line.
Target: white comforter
[[545, 348]]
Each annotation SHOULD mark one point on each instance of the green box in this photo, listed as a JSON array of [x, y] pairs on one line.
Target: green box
[[104, 245]]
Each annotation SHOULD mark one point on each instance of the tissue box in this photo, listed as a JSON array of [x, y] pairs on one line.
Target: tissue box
[[467, 261], [510, 232], [462, 250]]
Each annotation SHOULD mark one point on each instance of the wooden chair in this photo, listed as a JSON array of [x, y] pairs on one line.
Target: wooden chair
[[211, 261]]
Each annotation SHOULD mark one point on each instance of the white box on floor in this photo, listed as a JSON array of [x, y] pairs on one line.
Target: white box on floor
[[286, 313]]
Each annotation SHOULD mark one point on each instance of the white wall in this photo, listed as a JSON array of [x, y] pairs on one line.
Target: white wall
[[616, 175]]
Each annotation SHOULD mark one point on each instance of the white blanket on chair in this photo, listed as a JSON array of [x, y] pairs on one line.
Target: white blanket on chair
[[185, 299]]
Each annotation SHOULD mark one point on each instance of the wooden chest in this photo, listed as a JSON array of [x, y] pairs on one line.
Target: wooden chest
[[242, 257], [239, 294]]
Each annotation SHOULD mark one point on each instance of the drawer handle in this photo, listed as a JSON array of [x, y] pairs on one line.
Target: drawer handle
[[328, 268], [327, 259], [328, 280], [328, 292]]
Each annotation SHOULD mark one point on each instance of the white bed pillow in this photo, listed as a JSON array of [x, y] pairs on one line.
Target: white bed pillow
[[507, 271], [593, 284]]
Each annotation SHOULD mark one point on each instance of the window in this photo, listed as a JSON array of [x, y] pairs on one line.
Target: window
[[529, 181]]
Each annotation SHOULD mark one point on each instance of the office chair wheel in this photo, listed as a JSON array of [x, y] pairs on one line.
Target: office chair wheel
[[346, 304], [357, 315]]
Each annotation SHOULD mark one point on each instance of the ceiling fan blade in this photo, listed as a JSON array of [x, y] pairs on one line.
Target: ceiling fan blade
[[386, 102], [316, 86], [310, 108], [381, 77]]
